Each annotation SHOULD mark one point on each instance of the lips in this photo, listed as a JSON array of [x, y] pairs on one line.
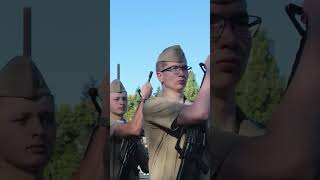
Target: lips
[[37, 148], [121, 108], [228, 65], [229, 61], [182, 81]]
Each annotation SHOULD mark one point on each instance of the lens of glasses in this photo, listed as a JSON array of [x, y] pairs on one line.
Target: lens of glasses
[[243, 27], [216, 29]]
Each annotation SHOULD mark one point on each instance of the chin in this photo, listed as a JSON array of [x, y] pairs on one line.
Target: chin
[[224, 81], [180, 88], [34, 163]]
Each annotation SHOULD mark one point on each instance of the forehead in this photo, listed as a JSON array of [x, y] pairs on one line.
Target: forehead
[[17, 102], [228, 8], [116, 95], [22, 105], [168, 64]]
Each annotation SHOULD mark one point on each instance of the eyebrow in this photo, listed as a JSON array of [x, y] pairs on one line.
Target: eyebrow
[[21, 115]]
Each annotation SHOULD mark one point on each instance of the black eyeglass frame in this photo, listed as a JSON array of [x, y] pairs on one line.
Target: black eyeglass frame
[[257, 21], [180, 68]]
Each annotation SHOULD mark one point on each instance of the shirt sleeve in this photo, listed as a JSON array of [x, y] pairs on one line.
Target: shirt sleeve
[[113, 126], [162, 112]]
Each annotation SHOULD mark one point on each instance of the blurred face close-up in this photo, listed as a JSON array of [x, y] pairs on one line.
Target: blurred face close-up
[[174, 76], [27, 132], [118, 103], [230, 41]]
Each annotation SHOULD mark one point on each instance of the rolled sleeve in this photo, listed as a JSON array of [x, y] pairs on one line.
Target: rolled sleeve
[[114, 125]]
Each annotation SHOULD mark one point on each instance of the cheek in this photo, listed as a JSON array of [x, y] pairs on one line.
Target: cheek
[[112, 109], [168, 79], [113, 104], [13, 142]]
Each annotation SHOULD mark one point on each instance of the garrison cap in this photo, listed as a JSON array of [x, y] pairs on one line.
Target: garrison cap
[[172, 54], [20, 77], [117, 87]]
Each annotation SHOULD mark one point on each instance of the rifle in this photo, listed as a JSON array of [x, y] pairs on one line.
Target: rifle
[[292, 10], [192, 150], [127, 150], [93, 93]]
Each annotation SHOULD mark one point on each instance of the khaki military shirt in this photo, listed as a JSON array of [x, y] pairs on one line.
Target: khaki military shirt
[[160, 114], [221, 142], [115, 144]]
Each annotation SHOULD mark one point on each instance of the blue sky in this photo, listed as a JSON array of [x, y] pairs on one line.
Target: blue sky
[[140, 30]]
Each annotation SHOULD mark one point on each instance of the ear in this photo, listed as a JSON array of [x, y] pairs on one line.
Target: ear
[[160, 77]]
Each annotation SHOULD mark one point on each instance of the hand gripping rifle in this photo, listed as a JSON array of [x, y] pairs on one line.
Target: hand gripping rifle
[[192, 150], [292, 10], [127, 151]]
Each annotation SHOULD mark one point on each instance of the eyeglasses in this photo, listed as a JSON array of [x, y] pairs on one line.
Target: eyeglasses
[[243, 25], [176, 69]]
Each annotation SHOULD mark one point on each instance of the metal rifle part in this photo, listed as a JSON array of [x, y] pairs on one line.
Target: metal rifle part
[[127, 148], [149, 78], [192, 150], [127, 151], [292, 10], [93, 93]]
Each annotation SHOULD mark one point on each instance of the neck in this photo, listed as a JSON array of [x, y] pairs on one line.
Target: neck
[[115, 116], [8, 171], [173, 95], [224, 110]]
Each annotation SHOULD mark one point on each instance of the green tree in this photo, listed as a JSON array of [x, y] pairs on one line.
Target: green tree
[[158, 90], [260, 88], [74, 127], [192, 88], [133, 102]]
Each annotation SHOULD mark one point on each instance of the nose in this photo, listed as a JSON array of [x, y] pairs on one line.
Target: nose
[[228, 37], [121, 101], [38, 127]]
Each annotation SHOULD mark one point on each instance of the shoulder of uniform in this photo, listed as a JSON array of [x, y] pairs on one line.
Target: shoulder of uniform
[[152, 101]]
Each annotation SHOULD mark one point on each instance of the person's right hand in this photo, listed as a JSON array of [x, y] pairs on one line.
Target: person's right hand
[[146, 90]]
